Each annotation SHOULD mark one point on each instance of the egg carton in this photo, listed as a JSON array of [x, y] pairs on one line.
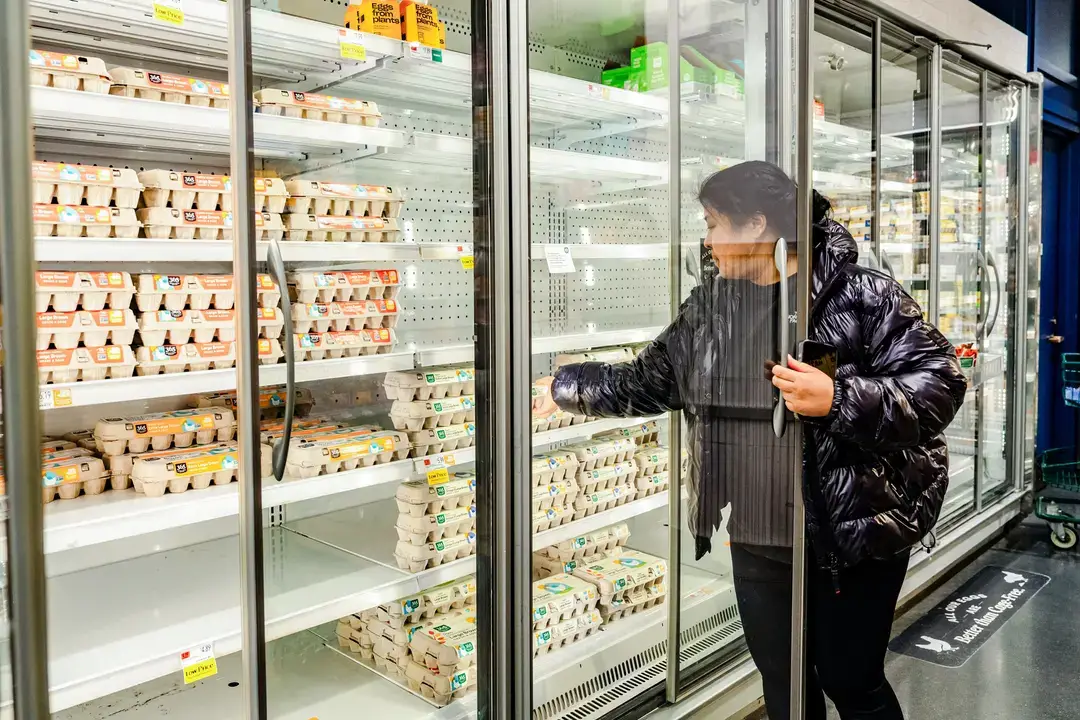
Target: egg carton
[[437, 688], [70, 477], [553, 516], [419, 497], [196, 468], [600, 542], [349, 343], [599, 453], [85, 364], [84, 221], [652, 459], [270, 398], [404, 614], [161, 223], [302, 430], [119, 466], [188, 191], [431, 384], [355, 641], [67, 184], [80, 438], [69, 72], [309, 197], [643, 433], [191, 357], [591, 503], [448, 645], [615, 576], [561, 597], [64, 291], [567, 632], [415, 558], [65, 454], [557, 419], [197, 292], [67, 330], [636, 600], [57, 444], [309, 106], [389, 658], [429, 528], [176, 327], [553, 466], [344, 451], [444, 439], [602, 478], [421, 415], [338, 228], [612, 356], [558, 494], [651, 484], [164, 87], [312, 286], [340, 316], [162, 430]]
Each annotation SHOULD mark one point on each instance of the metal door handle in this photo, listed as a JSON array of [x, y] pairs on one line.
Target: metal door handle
[[1056, 339], [997, 293], [277, 270], [779, 418]]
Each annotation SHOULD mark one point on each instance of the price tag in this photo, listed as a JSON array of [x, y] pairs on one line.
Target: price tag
[[351, 45], [49, 398], [601, 91], [198, 663], [559, 259], [423, 52], [438, 476], [433, 463], [465, 254], [170, 12]]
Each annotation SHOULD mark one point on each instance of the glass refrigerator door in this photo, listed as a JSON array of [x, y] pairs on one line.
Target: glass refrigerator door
[[1030, 302]]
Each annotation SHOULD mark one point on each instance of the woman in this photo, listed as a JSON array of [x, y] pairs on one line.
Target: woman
[[875, 464]]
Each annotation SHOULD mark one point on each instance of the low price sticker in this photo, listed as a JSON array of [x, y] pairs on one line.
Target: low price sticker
[[49, 398], [438, 476], [351, 45], [465, 254], [198, 663], [170, 12]]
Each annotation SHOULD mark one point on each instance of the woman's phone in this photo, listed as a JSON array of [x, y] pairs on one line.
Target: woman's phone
[[820, 355]]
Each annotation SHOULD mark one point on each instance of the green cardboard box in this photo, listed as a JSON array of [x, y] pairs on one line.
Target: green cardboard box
[[623, 78], [650, 65]]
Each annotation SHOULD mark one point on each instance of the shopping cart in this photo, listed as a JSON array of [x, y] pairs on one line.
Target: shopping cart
[[1070, 378], [1060, 469]]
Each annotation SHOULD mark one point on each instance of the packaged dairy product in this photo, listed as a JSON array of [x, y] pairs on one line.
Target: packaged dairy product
[[420, 24], [339, 316], [568, 631], [80, 438], [598, 453], [418, 498], [152, 85], [188, 191], [177, 327], [196, 468], [176, 428], [651, 459], [338, 228], [421, 415], [68, 184], [448, 645], [196, 356], [621, 578], [600, 500], [309, 287], [558, 494], [420, 530], [553, 466], [67, 330], [554, 421], [119, 467], [600, 542], [162, 223], [443, 439], [85, 363], [374, 16], [438, 688], [415, 558], [606, 476], [83, 221], [652, 483], [69, 72], [344, 451], [605, 355], [309, 197], [642, 434], [349, 343], [197, 292], [433, 383], [69, 477], [317, 107]]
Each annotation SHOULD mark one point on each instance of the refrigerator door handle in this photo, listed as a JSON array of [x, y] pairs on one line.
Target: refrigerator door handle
[[780, 257], [997, 293], [277, 270]]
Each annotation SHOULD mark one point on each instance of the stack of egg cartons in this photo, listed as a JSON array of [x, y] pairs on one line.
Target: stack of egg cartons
[[84, 201], [328, 448], [435, 406], [442, 656], [554, 482], [606, 474], [627, 582], [566, 556], [85, 327], [436, 521], [192, 206], [344, 313], [564, 611], [324, 108], [337, 212], [68, 469], [188, 322]]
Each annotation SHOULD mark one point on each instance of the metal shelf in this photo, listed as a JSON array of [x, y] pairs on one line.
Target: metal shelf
[[600, 520], [90, 250]]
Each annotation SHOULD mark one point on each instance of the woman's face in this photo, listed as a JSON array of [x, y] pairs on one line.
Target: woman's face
[[739, 251]]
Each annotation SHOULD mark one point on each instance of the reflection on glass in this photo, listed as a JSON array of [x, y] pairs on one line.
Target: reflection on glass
[[1034, 260]]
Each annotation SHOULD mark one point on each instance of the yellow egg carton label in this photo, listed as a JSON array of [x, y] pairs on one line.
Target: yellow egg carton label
[[197, 468], [185, 191], [310, 106], [151, 85], [421, 497], [70, 476], [69, 72]]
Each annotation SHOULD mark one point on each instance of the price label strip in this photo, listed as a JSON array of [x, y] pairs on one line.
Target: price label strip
[[423, 52], [49, 398], [198, 663], [351, 45], [170, 12]]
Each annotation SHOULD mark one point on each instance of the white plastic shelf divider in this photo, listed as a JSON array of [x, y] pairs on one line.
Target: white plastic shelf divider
[[96, 118], [91, 250]]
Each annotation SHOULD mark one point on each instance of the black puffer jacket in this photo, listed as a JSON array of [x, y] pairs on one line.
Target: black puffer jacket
[[877, 467]]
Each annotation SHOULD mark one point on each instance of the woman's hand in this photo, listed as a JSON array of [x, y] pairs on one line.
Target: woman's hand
[[806, 390], [543, 405]]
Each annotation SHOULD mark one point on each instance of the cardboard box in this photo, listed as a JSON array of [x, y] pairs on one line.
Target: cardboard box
[[649, 65]]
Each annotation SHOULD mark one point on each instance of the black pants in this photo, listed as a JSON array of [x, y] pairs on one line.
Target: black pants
[[847, 634]]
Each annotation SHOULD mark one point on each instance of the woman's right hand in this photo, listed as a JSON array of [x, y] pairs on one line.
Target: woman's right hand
[[543, 404]]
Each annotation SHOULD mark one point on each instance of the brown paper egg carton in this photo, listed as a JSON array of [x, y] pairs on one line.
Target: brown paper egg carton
[[85, 364], [556, 420], [68, 184], [444, 439], [82, 327], [314, 286], [66, 71], [566, 632], [600, 453], [448, 645], [431, 528], [355, 641], [77, 221], [163, 430], [418, 497], [119, 467], [348, 343], [642, 433], [651, 484], [552, 517], [343, 451], [310, 106], [161, 223], [440, 689], [339, 228], [553, 466], [616, 576], [635, 601], [165, 87], [413, 558], [560, 494], [430, 384], [309, 197], [271, 398], [196, 468], [176, 327], [187, 191], [651, 460], [601, 542], [64, 291], [395, 620], [303, 429], [591, 503], [607, 476], [197, 292], [70, 477], [432, 414], [350, 315], [560, 598]]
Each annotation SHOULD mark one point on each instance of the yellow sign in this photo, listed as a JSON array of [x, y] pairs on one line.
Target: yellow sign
[[468, 262], [198, 663], [438, 477], [169, 11], [350, 45]]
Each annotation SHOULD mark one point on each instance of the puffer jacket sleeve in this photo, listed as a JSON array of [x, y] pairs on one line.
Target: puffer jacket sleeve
[[912, 386]]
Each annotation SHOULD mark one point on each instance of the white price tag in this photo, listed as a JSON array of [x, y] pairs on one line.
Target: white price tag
[[601, 91], [49, 398], [423, 52], [170, 12], [559, 259]]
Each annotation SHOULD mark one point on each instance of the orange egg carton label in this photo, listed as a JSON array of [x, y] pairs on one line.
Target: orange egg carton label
[[359, 278], [167, 82], [81, 215], [68, 63], [82, 318], [107, 355], [84, 174]]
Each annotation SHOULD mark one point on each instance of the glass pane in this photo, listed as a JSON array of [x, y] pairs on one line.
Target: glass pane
[[1034, 259], [1002, 211], [962, 268], [905, 165]]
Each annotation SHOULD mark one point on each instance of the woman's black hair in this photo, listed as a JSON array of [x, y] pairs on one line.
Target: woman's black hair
[[755, 187]]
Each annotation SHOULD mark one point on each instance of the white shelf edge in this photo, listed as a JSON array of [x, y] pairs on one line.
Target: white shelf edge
[[68, 250], [596, 521]]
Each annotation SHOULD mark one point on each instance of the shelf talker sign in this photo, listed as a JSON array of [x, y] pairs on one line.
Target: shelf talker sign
[[351, 45], [49, 398], [198, 663], [170, 12]]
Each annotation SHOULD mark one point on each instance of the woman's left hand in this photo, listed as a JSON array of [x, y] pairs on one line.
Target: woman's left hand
[[806, 390]]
